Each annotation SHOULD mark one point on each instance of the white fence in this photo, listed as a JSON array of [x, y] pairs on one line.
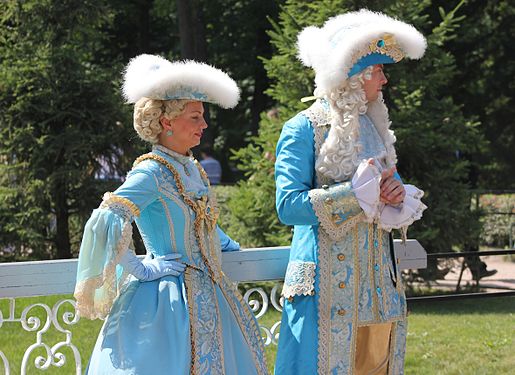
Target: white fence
[[45, 278]]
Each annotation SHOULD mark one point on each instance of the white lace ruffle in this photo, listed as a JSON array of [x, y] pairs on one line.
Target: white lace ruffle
[[406, 214], [366, 187], [365, 184], [299, 279]]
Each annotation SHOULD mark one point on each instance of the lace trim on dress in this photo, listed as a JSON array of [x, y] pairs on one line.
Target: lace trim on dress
[[299, 279], [120, 206], [95, 296]]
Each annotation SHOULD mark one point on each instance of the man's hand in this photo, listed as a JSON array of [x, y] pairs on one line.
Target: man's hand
[[392, 191]]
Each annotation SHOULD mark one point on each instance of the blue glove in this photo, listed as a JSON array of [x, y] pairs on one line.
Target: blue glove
[[150, 269]]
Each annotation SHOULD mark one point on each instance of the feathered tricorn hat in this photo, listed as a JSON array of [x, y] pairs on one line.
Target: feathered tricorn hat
[[348, 43], [154, 77]]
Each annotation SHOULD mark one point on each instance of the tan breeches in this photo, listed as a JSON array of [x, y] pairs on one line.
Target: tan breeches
[[373, 349]]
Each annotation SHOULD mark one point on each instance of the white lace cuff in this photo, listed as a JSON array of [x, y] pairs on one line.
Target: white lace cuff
[[299, 279], [408, 212], [365, 184]]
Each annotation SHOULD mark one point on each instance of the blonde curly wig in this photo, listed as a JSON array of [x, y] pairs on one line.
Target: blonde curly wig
[[148, 112]]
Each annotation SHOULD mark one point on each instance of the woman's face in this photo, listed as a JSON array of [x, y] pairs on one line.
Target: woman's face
[[188, 127], [374, 85]]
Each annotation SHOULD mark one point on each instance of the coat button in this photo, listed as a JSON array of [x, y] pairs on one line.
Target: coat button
[[341, 285], [341, 257], [341, 312], [376, 267], [329, 200], [325, 186]]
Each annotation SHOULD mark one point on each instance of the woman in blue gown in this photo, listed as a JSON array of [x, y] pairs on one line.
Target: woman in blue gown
[[173, 312]]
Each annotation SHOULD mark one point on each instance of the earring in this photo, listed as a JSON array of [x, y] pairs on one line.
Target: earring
[[169, 133]]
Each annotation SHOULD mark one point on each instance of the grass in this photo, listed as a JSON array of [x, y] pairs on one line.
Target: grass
[[461, 337]]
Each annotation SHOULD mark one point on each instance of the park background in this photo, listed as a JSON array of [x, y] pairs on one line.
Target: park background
[[66, 135]]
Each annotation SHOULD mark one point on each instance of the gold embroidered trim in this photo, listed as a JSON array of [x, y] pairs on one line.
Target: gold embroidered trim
[[228, 287], [373, 255], [380, 234], [111, 199], [195, 357], [393, 343], [324, 302], [170, 224], [336, 231], [357, 272], [219, 327], [385, 45]]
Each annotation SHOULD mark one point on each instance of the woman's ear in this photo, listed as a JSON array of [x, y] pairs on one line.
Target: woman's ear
[[165, 123]]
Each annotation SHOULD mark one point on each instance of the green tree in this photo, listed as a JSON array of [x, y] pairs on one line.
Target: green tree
[[60, 115], [484, 86], [429, 125]]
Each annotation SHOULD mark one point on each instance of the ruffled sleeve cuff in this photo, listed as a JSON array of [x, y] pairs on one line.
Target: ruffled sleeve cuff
[[336, 208], [406, 214], [299, 279], [366, 187], [107, 236]]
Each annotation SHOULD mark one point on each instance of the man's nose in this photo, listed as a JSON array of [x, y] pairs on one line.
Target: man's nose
[[384, 80]]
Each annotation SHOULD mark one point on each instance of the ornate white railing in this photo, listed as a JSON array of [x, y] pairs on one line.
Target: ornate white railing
[[45, 278]]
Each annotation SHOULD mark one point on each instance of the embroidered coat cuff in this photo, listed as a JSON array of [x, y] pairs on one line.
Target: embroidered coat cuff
[[337, 208]]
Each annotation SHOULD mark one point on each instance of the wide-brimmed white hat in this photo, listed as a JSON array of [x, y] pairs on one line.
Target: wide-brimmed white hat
[[154, 77], [348, 43]]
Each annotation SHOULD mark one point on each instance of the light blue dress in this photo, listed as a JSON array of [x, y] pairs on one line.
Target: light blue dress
[[196, 323], [342, 273]]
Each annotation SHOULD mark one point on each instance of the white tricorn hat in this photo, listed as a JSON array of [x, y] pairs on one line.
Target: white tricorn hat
[[348, 43], [154, 77]]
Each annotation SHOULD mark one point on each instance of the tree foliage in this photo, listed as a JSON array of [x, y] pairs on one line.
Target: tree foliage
[[483, 86], [58, 117]]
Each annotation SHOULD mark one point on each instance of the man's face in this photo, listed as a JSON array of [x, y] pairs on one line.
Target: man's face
[[374, 85]]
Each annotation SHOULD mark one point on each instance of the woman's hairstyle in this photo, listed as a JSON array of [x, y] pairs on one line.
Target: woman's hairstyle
[[338, 158], [148, 112]]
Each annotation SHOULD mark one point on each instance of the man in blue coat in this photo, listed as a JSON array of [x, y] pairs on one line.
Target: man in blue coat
[[345, 307]]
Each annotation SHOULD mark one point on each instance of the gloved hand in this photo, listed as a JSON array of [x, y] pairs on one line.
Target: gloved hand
[[150, 269]]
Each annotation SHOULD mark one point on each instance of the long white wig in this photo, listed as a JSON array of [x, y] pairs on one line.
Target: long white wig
[[338, 158]]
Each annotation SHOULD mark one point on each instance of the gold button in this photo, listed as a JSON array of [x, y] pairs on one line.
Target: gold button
[[341, 257], [341, 312], [341, 285]]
